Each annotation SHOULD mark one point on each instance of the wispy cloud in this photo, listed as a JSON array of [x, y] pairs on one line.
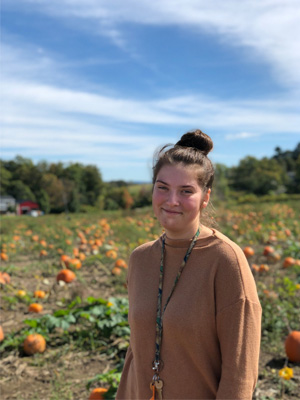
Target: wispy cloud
[[241, 135], [269, 29]]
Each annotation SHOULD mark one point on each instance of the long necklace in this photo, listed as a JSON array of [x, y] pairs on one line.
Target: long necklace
[[156, 383]]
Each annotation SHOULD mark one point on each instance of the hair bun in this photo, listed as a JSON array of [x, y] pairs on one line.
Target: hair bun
[[198, 140]]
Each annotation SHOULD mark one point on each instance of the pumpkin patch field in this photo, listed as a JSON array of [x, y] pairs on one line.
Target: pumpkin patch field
[[64, 310]]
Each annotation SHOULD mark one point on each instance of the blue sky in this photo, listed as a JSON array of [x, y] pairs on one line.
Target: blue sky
[[108, 82]]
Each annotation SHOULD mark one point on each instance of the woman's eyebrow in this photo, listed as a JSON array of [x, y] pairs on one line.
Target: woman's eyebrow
[[182, 186], [158, 180]]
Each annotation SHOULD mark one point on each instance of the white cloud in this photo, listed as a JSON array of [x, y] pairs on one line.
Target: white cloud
[[269, 29], [241, 135]]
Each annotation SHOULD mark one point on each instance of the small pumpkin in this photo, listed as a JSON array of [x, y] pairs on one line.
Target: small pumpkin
[[4, 278], [73, 263], [34, 343], [35, 307], [288, 262], [116, 271], [1, 334], [4, 256], [268, 250], [255, 267], [292, 346], [248, 251], [111, 254], [120, 263], [66, 275], [97, 394], [264, 267], [40, 294]]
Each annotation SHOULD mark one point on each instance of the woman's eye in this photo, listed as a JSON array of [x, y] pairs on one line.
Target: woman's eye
[[162, 187], [187, 191]]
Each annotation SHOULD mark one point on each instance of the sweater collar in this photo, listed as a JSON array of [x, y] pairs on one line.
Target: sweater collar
[[184, 243]]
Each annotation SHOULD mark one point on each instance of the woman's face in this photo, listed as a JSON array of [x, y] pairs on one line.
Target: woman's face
[[177, 200]]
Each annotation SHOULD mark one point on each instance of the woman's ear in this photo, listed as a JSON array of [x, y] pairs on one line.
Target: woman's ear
[[206, 199]]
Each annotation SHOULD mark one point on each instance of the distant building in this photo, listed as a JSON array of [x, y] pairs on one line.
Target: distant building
[[7, 203], [28, 207]]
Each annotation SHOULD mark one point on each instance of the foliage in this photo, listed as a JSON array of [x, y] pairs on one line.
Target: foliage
[[95, 323], [58, 187], [111, 379]]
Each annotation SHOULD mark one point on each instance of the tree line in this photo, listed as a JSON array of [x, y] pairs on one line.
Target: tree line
[[74, 187]]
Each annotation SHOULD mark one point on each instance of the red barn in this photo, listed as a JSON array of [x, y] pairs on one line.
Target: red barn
[[26, 207]]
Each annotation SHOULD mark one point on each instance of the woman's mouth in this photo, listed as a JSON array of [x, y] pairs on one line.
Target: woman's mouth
[[171, 212]]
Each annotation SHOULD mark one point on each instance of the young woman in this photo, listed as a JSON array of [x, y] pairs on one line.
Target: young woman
[[194, 312]]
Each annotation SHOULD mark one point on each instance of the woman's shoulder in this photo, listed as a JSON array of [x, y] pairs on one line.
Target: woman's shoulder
[[147, 247], [227, 246], [233, 269]]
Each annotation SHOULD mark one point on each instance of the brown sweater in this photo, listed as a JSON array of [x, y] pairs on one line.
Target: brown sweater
[[211, 326]]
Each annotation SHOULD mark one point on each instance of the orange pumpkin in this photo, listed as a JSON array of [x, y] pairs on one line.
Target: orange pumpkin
[[1, 334], [255, 267], [288, 262], [248, 251], [121, 263], [4, 256], [43, 253], [34, 343], [111, 254], [39, 294], [64, 258], [292, 346], [97, 394], [4, 278], [65, 275], [35, 307], [268, 250], [116, 271], [263, 267], [73, 263]]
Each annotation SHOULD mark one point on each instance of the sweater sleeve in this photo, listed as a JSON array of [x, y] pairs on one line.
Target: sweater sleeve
[[239, 330]]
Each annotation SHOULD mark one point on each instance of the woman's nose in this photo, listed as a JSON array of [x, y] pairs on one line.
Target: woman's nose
[[172, 198]]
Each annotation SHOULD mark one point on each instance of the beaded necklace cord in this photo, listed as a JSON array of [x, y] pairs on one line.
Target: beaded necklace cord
[[157, 363]]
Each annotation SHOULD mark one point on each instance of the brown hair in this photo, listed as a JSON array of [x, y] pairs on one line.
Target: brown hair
[[190, 150]]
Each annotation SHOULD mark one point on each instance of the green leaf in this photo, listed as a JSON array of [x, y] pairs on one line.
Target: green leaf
[[60, 313], [31, 322]]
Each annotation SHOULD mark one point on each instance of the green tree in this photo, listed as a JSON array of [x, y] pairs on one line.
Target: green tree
[[55, 190], [144, 197], [258, 176], [297, 176], [20, 191], [43, 200], [5, 176], [221, 185], [93, 184], [74, 202]]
